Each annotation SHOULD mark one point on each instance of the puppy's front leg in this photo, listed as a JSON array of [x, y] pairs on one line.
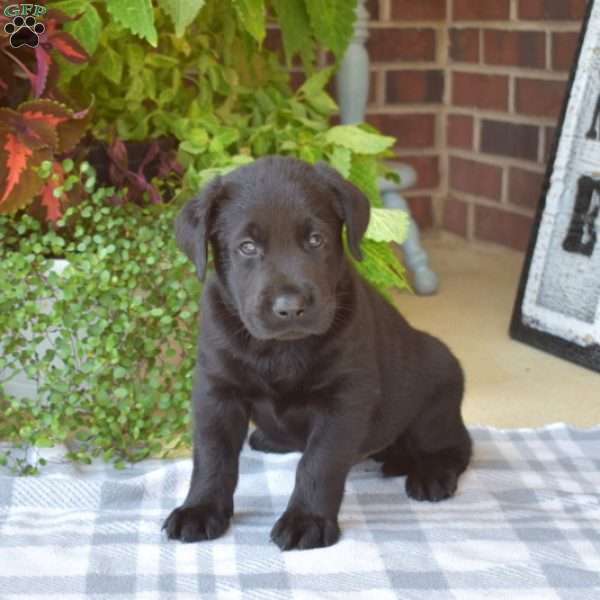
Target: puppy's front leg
[[310, 520], [220, 428]]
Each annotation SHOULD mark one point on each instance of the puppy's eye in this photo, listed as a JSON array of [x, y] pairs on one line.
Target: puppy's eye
[[315, 240], [248, 249]]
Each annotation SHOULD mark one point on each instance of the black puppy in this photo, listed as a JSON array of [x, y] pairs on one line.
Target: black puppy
[[295, 340]]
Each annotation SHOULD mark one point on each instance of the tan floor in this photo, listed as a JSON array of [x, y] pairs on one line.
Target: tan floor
[[509, 384]]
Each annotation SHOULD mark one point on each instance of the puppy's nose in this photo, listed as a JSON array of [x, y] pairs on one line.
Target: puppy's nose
[[289, 306]]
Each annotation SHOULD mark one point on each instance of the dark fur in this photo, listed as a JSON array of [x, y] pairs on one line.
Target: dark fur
[[344, 377]]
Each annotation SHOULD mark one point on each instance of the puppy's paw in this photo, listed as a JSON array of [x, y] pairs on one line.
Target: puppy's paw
[[196, 523], [433, 486], [299, 530]]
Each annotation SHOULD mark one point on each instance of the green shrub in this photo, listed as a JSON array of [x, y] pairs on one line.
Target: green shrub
[[117, 377]]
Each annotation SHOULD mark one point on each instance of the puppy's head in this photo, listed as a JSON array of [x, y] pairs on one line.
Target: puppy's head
[[275, 227]]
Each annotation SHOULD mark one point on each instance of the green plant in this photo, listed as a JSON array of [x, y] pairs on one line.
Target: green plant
[[116, 378], [119, 322], [29, 135], [211, 86]]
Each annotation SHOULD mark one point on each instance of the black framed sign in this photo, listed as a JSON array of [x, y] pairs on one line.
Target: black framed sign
[[558, 302]]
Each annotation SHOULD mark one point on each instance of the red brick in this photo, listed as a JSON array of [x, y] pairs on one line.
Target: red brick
[[502, 227], [427, 168], [464, 45], [373, 80], [539, 97], [481, 10], [373, 9], [421, 209], [395, 43], [460, 131], [420, 10], [515, 48], [414, 86], [480, 91], [509, 139], [552, 9], [475, 178], [524, 188], [411, 130], [564, 46], [456, 216]]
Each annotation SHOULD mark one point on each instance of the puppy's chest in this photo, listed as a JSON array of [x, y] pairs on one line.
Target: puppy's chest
[[281, 370], [286, 379]]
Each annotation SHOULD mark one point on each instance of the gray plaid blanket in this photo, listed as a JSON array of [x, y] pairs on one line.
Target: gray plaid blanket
[[525, 524]]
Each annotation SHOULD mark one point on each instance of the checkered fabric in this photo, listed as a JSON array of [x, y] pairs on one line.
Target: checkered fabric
[[525, 524]]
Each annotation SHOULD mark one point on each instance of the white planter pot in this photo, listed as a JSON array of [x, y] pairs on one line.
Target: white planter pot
[[21, 385]]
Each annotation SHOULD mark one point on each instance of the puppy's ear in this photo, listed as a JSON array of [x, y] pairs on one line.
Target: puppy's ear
[[351, 204], [192, 225]]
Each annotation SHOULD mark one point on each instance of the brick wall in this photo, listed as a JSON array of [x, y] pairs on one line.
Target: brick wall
[[505, 83], [472, 89], [407, 47]]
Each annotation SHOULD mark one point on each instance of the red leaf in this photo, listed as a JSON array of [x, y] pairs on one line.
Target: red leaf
[[48, 111], [70, 48], [117, 152], [52, 204], [43, 64], [17, 155], [151, 152]]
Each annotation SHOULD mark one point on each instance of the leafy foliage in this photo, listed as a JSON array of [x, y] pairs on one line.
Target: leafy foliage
[[136, 15], [29, 135], [53, 42], [182, 12], [332, 22], [116, 378]]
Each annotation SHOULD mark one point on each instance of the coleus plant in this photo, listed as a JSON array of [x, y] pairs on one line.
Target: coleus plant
[[36, 131], [138, 182], [52, 41]]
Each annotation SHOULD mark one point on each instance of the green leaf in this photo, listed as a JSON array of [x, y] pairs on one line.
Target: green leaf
[[182, 12], [387, 225], [135, 57], [332, 22], [322, 103], [86, 30], [295, 30], [356, 139], [315, 83], [381, 267], [70, 7], [364, 174], [191, 148], [251, 14], [341, 160], [135, 15], [110, 64], [198, 136]]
